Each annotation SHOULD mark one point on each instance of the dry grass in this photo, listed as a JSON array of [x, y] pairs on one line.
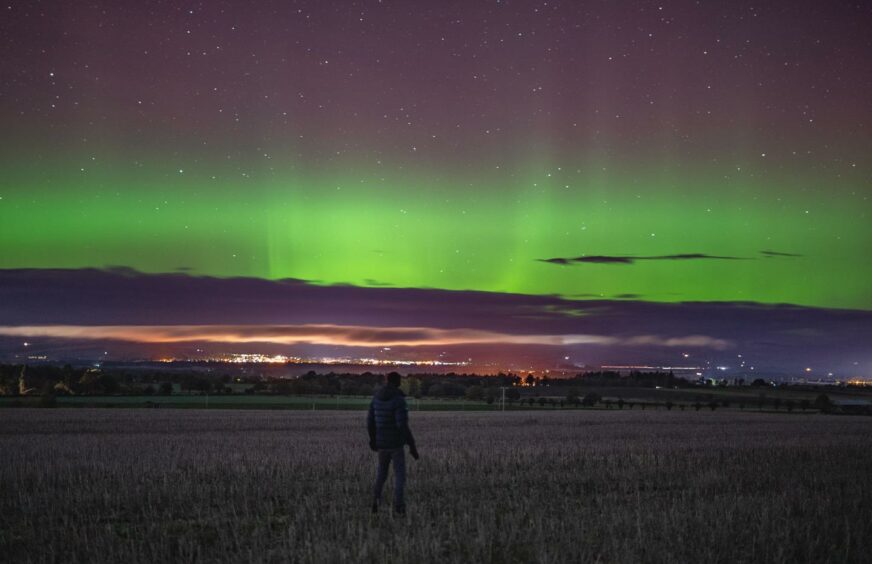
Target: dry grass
[[166, 485]]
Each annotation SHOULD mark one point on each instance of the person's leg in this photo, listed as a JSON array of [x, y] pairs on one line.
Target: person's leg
[[399, 457], [384, 461]]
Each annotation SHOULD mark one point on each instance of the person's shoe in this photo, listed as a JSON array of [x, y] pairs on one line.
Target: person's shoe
[[375, 508]]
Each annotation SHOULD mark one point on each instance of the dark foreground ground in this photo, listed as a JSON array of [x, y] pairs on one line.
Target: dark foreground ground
[[96, 485]]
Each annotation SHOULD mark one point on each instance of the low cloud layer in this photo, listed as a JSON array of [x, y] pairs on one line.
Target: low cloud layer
[[778, 254], [65, 306], [348, 336], [632, 259]]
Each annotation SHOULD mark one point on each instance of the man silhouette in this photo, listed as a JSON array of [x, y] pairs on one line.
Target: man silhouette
[[388, 425]]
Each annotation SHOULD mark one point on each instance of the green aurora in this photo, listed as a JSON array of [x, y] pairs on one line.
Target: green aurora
[[366, 223]]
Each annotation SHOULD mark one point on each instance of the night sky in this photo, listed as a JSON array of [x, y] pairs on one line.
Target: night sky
[[646, 158]]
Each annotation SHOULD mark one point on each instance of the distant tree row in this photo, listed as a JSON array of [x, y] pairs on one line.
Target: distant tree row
[[51, 380]]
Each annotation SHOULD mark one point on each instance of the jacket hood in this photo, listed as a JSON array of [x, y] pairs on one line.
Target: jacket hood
[[388, 392]]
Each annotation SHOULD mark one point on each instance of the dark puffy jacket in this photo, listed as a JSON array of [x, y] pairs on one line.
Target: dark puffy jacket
[[388, 419]]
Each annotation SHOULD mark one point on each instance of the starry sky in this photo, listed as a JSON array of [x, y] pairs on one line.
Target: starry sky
[[610, 152]]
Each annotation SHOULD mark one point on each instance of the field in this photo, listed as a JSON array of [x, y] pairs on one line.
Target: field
[[241, 401], [137, 485]]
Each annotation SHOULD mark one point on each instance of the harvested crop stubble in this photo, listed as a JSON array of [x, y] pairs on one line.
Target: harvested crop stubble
[[169, 485]]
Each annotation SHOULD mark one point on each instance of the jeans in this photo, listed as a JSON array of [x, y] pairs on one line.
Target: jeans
[[385, 456]]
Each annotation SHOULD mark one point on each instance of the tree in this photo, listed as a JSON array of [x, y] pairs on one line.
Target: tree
[[491, 395], [108, 384], [166, 389], [61, 388], [23, 390], [48, 398], [591, 399], [823, 403], [87, 382], [572, 396], [474, 393], [197, 384], [414, 387], [411, 387]]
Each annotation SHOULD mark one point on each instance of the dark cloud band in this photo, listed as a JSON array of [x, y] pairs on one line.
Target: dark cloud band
[[631, 259]]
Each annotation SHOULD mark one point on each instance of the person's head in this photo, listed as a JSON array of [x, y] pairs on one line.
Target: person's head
[[393, 379]]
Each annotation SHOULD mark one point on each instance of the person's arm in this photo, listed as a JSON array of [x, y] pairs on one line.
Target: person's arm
[[370, 426], [401, 418]]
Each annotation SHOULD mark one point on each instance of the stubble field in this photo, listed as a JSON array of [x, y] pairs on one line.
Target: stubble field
[[287, 486]]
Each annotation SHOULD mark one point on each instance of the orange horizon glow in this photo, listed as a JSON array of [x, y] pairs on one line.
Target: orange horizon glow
[[340, 335]]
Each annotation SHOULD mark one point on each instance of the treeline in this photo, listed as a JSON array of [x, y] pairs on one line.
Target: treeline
[[635, 379], [415, 385], [65, 379], [49, 381], [45, 379]]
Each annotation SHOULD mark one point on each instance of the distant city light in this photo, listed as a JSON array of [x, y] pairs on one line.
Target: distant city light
[[258, 358]]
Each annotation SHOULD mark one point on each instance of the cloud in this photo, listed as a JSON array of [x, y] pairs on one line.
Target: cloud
[[691, 256], [771, 254], [631, 259], [621, 259], [561, 261], [347, 336], [701, 341], [372, 282], [91, 304], [600, 259]]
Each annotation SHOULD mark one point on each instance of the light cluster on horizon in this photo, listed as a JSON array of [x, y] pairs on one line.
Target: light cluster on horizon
[[260, 358]]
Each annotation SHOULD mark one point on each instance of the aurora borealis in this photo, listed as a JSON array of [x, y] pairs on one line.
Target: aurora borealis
[[590, 152], [445, 233]]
